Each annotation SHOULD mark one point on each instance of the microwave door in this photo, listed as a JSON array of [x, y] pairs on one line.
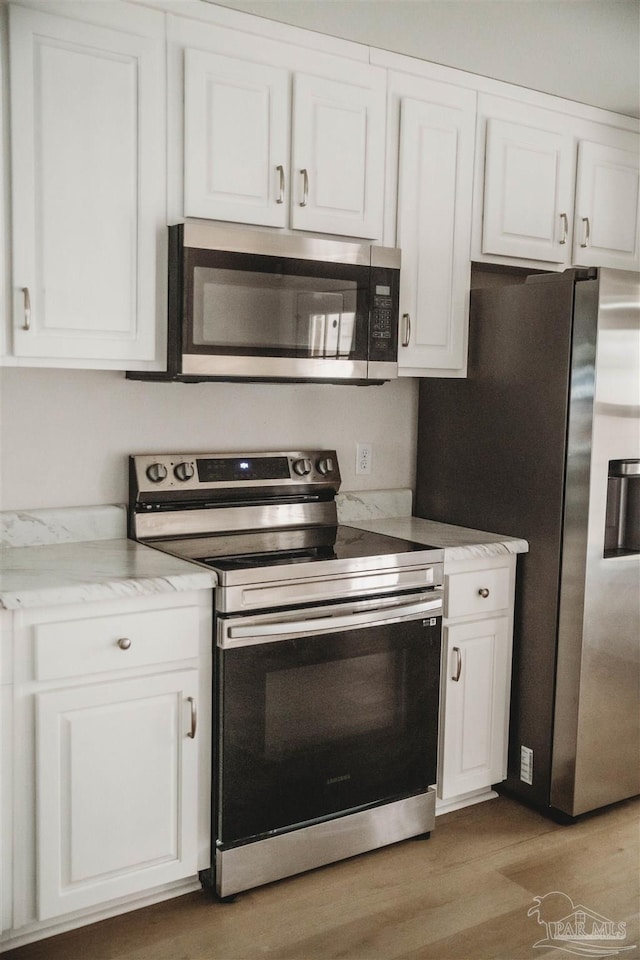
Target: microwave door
[[319, 323]]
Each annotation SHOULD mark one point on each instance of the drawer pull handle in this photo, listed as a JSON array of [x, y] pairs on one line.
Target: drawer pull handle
[[483, 592], [124, 643], [458, 654], [194, 718]]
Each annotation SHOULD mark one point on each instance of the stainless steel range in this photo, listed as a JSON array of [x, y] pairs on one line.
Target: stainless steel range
[[327, 662]]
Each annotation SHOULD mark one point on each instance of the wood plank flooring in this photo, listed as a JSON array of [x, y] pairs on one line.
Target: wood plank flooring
[[464, 894]]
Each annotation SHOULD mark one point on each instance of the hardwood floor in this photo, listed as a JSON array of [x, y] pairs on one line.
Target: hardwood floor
[[464, 894]]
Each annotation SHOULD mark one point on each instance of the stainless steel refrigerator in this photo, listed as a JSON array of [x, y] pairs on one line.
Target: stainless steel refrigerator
[[542, 441]]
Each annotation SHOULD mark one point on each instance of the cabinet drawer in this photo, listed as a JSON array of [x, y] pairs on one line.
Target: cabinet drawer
[[72, 648], [477, 592]]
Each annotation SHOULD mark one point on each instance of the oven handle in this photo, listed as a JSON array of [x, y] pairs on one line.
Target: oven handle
[[237, 636]]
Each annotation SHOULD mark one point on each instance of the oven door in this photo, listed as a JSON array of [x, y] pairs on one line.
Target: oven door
[[323, 711]]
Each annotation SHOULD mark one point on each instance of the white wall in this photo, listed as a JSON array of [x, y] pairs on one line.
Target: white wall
[[66, 434], [585, 50]]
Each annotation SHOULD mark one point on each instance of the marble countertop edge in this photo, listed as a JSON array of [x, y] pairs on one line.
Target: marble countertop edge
[[458, 543], [53, 574]]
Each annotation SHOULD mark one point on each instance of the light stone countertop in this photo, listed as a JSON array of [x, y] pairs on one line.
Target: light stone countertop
[[72, 555], [459, 543], [53, 574]]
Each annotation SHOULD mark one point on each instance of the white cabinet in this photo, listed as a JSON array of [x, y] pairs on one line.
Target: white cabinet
[[476, 677], [433, 227], [269, 142], [116, 788], [87, 186], [528, 201], [112, 712], [236, 138], [607, 207], [555, 189]]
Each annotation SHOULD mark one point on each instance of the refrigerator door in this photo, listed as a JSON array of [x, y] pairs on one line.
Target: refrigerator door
[[491, 455], [525, 446], [596, 742]]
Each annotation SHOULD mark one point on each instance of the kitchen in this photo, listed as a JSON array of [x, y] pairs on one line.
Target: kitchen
[[83, 432]]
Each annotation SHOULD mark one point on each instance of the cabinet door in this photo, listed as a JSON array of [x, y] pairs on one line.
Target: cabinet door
[[116, 773], [606, 221], [433, 231], [338, 154], [475, 692], [527, 192], [236, 159], [87, 141]]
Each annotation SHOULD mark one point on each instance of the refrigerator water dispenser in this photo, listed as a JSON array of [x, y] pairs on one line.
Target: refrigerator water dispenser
[[622, 530]]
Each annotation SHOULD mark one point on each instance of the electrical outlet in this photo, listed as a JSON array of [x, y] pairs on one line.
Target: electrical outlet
[[526, 764], [364, 457]]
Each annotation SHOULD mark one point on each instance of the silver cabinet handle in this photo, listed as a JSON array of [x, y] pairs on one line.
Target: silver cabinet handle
[[586, 236], [305, 187], [124, 643], [565, 227], [483, 592], [458, 654], [27, 309], [407, 329], [194, 718], [280, 170]]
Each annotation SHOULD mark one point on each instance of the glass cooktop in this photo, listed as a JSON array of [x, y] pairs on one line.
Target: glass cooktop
[[272, 548]]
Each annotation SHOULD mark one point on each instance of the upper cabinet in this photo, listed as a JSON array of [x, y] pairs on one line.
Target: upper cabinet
[[555, 189], [527, 191], [123, 119], [435, 125], [236, 136], [606, 211], [269, 143], [87, 185]]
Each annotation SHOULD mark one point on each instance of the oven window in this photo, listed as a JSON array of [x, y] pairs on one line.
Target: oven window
[[312, 727], [253, 305], [364, 699]]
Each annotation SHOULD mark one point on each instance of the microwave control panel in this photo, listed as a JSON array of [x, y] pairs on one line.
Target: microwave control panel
[[383, 337]]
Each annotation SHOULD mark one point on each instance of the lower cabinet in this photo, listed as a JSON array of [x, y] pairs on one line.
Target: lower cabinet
[[111, 709], [116, 787], [476, 677]]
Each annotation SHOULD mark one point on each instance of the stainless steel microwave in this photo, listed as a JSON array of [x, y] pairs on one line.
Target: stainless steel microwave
[[248, 304]]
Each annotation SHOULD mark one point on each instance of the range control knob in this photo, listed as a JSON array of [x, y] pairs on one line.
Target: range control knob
[[302, 467], [325, 466], [183, 470], [157, 472]]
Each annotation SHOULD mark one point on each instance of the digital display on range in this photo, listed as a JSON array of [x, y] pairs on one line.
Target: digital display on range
[[229, 469]]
